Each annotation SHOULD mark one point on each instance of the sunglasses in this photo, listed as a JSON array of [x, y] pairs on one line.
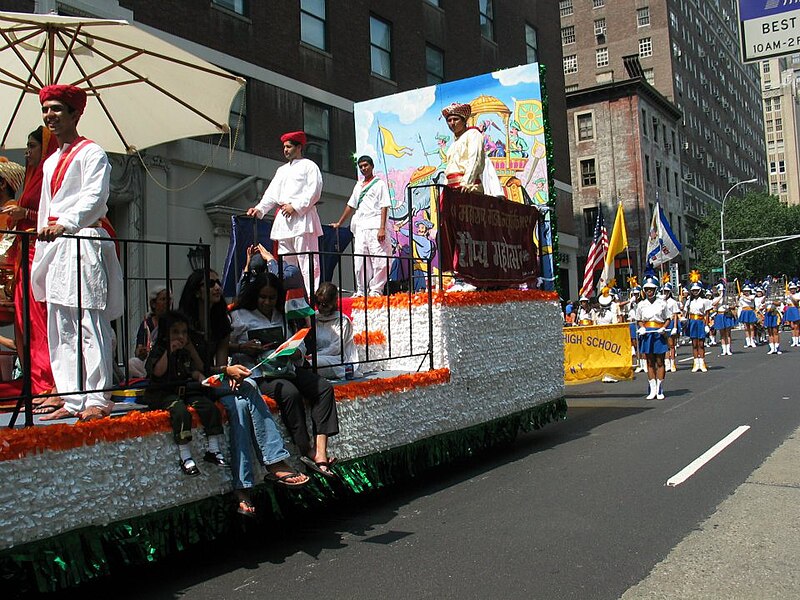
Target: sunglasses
[[212, 282]]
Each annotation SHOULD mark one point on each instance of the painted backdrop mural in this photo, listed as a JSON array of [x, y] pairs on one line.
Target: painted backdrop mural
[[408, 139]]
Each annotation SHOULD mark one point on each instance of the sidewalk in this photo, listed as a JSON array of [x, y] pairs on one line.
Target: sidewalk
[[749, 549]]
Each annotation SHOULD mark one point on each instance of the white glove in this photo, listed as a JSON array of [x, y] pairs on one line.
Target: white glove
[[707, 329], [674, 331], [641, 330]]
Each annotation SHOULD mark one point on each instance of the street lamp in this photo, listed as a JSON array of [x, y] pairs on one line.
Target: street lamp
[[722, 226]]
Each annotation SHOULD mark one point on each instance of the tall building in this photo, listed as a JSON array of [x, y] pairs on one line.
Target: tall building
[[689, 52], [306, 63], [780, 89]]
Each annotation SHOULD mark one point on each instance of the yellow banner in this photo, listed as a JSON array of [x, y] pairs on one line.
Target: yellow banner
[[598, 350]]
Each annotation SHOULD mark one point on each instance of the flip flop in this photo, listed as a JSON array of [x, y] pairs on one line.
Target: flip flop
[[317, 466], [246, 508], [284, 479]]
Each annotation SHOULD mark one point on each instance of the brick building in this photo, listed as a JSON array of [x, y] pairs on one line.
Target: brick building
[[689, 52], [306, 63]]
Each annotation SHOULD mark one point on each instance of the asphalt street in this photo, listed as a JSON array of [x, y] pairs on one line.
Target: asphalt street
[[580, 509]]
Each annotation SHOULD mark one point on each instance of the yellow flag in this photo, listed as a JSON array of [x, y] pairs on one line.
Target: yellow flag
[[390, 146], [618, 243]]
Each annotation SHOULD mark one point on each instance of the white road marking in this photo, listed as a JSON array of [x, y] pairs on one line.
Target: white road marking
[[701, 460]]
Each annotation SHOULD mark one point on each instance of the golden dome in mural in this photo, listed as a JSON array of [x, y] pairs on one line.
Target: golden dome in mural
[[488, 104]]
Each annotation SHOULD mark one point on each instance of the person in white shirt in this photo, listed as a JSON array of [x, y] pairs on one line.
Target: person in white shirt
[[747, 316], [81, 306], [675, 311], [295, 191], [585, 315], [466, 156], [369, 204], [792, 314], [653, 317], [697, 309]]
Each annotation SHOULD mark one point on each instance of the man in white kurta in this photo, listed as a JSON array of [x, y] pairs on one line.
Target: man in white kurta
[[369, 203], [80, 280], [466, 156], [295, 191]]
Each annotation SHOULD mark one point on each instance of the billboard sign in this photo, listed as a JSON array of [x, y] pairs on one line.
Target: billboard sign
[[769, 28]]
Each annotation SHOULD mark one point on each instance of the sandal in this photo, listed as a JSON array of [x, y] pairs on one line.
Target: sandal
[[284, 479], [246, 508], [189, 467], [322, 467]]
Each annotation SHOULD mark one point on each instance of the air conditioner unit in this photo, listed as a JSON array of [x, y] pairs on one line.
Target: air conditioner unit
[[728, 130], [706, 109], [686, 145], [711, 164], [667, 146], [701, 53]]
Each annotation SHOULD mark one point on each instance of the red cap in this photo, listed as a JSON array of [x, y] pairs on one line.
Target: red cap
[[298, 137], [71, 95]]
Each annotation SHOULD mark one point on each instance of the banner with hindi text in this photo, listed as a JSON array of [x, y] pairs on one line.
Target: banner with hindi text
[[488, 241], [592, 352]]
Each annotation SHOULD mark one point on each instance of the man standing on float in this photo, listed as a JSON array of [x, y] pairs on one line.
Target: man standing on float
[[74, 198], [465, 157], [295, 191]]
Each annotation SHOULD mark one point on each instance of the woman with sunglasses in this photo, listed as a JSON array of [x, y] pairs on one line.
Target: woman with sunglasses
[[202, 301]]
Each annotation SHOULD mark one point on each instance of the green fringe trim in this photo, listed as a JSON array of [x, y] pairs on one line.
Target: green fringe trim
[[76, 557]]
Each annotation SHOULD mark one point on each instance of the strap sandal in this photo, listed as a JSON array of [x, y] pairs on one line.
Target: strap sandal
[[284, 479], [215, 458], [189, 467], [322, 467], [246, 508]]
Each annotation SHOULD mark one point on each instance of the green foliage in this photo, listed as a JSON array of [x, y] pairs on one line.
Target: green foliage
[[756, 215]]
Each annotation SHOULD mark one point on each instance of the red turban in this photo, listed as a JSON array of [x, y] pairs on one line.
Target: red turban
[[461, 110], [298, 137], [71, 95]]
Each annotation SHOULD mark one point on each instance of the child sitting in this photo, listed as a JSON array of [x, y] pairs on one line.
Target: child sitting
[[335, 346], [174, 369]]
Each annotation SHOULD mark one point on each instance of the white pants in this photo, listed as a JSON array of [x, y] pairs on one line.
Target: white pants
[[308, 242], [365, 241], [64, 324]]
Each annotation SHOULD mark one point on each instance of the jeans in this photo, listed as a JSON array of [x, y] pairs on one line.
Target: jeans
[[246, 407]]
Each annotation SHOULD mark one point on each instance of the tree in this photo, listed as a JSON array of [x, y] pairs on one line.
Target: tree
[[755, 215]]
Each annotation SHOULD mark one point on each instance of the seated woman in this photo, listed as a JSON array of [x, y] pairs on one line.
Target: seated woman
[[335, 346], [159, 301], [260, 309], [210, 336]]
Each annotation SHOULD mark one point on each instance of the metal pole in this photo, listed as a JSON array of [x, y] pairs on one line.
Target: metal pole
[[722, 225]]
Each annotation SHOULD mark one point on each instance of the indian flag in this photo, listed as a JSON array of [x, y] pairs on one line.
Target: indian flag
[[213, 381], [296, 306], [288, 347]]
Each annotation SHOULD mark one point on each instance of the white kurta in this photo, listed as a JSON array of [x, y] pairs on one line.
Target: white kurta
[[77, 205], [371, 273], [298, 183], [335, 346], [466, 160]]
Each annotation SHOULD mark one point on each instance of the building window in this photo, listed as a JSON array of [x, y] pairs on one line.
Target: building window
[[589, 221], [570, 64], [487, 18], [585, 127], [567, 35], [776, 103], [645, 47], [649, 76], [600, 27], [434, 2], [781, 166], [647, 167], [643, 16], [573, 87], [380, 42], [565, 7], [317, 125], [598, 3], [588, 173], [237, 6], [434, 65], [313, 30], [601, 57], [765, 66], [531, 43]]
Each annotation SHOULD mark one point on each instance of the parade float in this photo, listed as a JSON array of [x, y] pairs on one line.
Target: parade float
[[454, 373]]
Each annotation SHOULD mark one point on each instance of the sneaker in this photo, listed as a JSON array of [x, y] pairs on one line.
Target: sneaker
[[778, 352], [189, 467], [215, 458]]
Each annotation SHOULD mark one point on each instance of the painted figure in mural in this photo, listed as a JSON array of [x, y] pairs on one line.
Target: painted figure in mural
[[80, 304], [369, 203], [441, 150], [424, 245], [295, 191], [465, 156], [517, 147]]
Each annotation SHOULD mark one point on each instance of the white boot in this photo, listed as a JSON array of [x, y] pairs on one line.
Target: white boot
[[696, 365], [667, 363], [642, 366], [703, 366], [659, 389], [653, 389], [771, 348], [778, 349], [673, 363]]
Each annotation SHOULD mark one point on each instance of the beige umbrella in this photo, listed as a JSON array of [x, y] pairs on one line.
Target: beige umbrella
[[142, 91]]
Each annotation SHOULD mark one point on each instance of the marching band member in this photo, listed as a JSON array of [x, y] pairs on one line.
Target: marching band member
[[747, 315], [585, 315], [772, 323], [724, 322], [792, 315], [607, 312], [672, 330], [760, 301], [697, 308], [653, 318]]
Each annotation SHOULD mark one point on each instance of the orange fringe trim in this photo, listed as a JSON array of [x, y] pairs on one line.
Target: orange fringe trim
[[401, 383], [402, 300], [373, 337]]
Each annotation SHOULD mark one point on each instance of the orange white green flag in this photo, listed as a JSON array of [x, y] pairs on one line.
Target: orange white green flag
[[296, 306]]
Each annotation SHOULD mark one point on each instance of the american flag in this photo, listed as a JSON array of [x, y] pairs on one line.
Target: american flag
[[597, 254]]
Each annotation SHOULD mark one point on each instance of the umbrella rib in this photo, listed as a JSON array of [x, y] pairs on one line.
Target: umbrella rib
[[68, 51], [112, 63], [19, 103], [13, 46]]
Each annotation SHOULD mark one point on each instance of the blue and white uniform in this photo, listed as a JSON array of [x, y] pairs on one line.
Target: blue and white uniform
[[696, 310], [653, 316], [747, 309]]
